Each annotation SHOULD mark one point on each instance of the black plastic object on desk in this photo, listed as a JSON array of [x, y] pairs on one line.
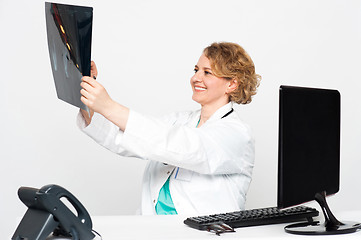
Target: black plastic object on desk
[[47, 214], [253, 217]]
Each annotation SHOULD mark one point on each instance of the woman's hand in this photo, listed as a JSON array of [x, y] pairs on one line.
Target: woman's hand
[[93, 73], [95, 97]]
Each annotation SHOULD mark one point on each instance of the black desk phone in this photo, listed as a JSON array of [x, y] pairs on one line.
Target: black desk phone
[[48, 214]]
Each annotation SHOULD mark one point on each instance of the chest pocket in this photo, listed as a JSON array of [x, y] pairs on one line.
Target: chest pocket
[[183, 174]]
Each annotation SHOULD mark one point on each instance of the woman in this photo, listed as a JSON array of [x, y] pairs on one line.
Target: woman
[[199, 162]]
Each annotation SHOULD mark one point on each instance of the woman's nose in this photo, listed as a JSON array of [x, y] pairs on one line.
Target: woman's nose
[[196, 77]]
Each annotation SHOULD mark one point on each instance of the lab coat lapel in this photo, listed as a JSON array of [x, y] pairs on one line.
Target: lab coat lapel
[[222, 111], [161, 172]]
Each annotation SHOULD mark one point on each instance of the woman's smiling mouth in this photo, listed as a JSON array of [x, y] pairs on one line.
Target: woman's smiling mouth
[[199, 89]]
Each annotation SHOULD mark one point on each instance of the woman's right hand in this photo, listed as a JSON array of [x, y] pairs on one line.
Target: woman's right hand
[[88, 115]]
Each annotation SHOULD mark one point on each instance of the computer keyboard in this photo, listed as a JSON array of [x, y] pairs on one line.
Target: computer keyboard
[[253, 217]]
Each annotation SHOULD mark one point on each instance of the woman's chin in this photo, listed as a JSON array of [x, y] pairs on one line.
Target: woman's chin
[[197, 100]]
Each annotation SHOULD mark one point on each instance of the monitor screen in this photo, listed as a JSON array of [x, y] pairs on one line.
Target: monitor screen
[[309, 144], [69, 32]]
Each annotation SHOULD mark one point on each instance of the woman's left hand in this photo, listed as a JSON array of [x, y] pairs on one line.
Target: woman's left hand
[[95, 96]]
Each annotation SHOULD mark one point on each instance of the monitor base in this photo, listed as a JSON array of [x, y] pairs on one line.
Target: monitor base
[[331, 225], [315, 228]]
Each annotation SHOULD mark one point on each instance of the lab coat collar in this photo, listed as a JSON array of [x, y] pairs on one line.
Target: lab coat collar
[[221, 112]]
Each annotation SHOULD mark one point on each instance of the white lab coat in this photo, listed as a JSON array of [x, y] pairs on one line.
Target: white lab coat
[[210, 166]]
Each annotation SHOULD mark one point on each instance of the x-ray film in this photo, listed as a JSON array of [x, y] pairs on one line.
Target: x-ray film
[[69, 30]]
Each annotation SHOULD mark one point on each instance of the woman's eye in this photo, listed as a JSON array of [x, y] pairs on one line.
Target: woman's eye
[[206, 72], [195, 70]]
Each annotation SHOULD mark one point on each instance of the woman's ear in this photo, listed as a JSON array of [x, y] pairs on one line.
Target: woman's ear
[[232, 85]]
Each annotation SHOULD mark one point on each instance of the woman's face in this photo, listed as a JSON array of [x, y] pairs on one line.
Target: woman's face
[[207, 88]]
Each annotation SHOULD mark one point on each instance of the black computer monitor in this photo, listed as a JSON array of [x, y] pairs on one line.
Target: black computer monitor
[[309, 153], [309, 144]]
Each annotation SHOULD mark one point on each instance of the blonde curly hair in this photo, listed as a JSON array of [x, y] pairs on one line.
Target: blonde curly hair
[[231, 61]]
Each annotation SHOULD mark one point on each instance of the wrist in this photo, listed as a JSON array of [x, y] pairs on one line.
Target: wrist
[[117, 114], [109, 109]]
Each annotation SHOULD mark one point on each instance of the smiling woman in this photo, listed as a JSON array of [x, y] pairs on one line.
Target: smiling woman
[[199, 162], [224, 72], [231, 61], [210, 91]]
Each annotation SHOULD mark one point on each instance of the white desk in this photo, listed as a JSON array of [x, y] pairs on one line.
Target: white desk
[[172, 227]]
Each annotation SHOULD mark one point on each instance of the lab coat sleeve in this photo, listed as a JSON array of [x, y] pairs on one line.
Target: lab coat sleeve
[[224, 146], [104, 133]]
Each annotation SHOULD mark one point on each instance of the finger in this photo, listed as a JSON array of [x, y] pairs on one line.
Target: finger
[[88, 102], [86, 94], [89, 80], [92, 82], [85, 101], [86, 86]]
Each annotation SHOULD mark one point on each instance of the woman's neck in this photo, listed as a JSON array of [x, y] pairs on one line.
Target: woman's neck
[[207, 111]]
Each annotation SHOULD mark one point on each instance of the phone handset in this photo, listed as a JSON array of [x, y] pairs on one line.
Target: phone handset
[[47, 214]]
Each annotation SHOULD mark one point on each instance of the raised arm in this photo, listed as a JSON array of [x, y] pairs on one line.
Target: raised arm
[[97, 99]]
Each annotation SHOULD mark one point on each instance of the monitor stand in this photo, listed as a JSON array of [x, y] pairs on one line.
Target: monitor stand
[[329, 227]]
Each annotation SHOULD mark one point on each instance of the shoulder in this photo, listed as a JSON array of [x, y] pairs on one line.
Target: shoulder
[[229, 129], [181, 117], [232, 121], [236, 121]]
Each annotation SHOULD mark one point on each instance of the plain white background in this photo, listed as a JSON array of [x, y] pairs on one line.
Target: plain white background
[[145, 52]]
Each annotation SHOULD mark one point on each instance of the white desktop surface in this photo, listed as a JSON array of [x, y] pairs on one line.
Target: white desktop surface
[[172, 227]]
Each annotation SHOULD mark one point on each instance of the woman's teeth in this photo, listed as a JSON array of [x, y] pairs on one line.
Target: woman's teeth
[[199, 88]]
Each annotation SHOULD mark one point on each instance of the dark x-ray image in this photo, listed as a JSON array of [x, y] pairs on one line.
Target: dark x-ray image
[[69, 30]]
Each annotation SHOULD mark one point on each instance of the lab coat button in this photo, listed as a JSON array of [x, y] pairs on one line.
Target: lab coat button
[[153, 200], [168, 172]]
